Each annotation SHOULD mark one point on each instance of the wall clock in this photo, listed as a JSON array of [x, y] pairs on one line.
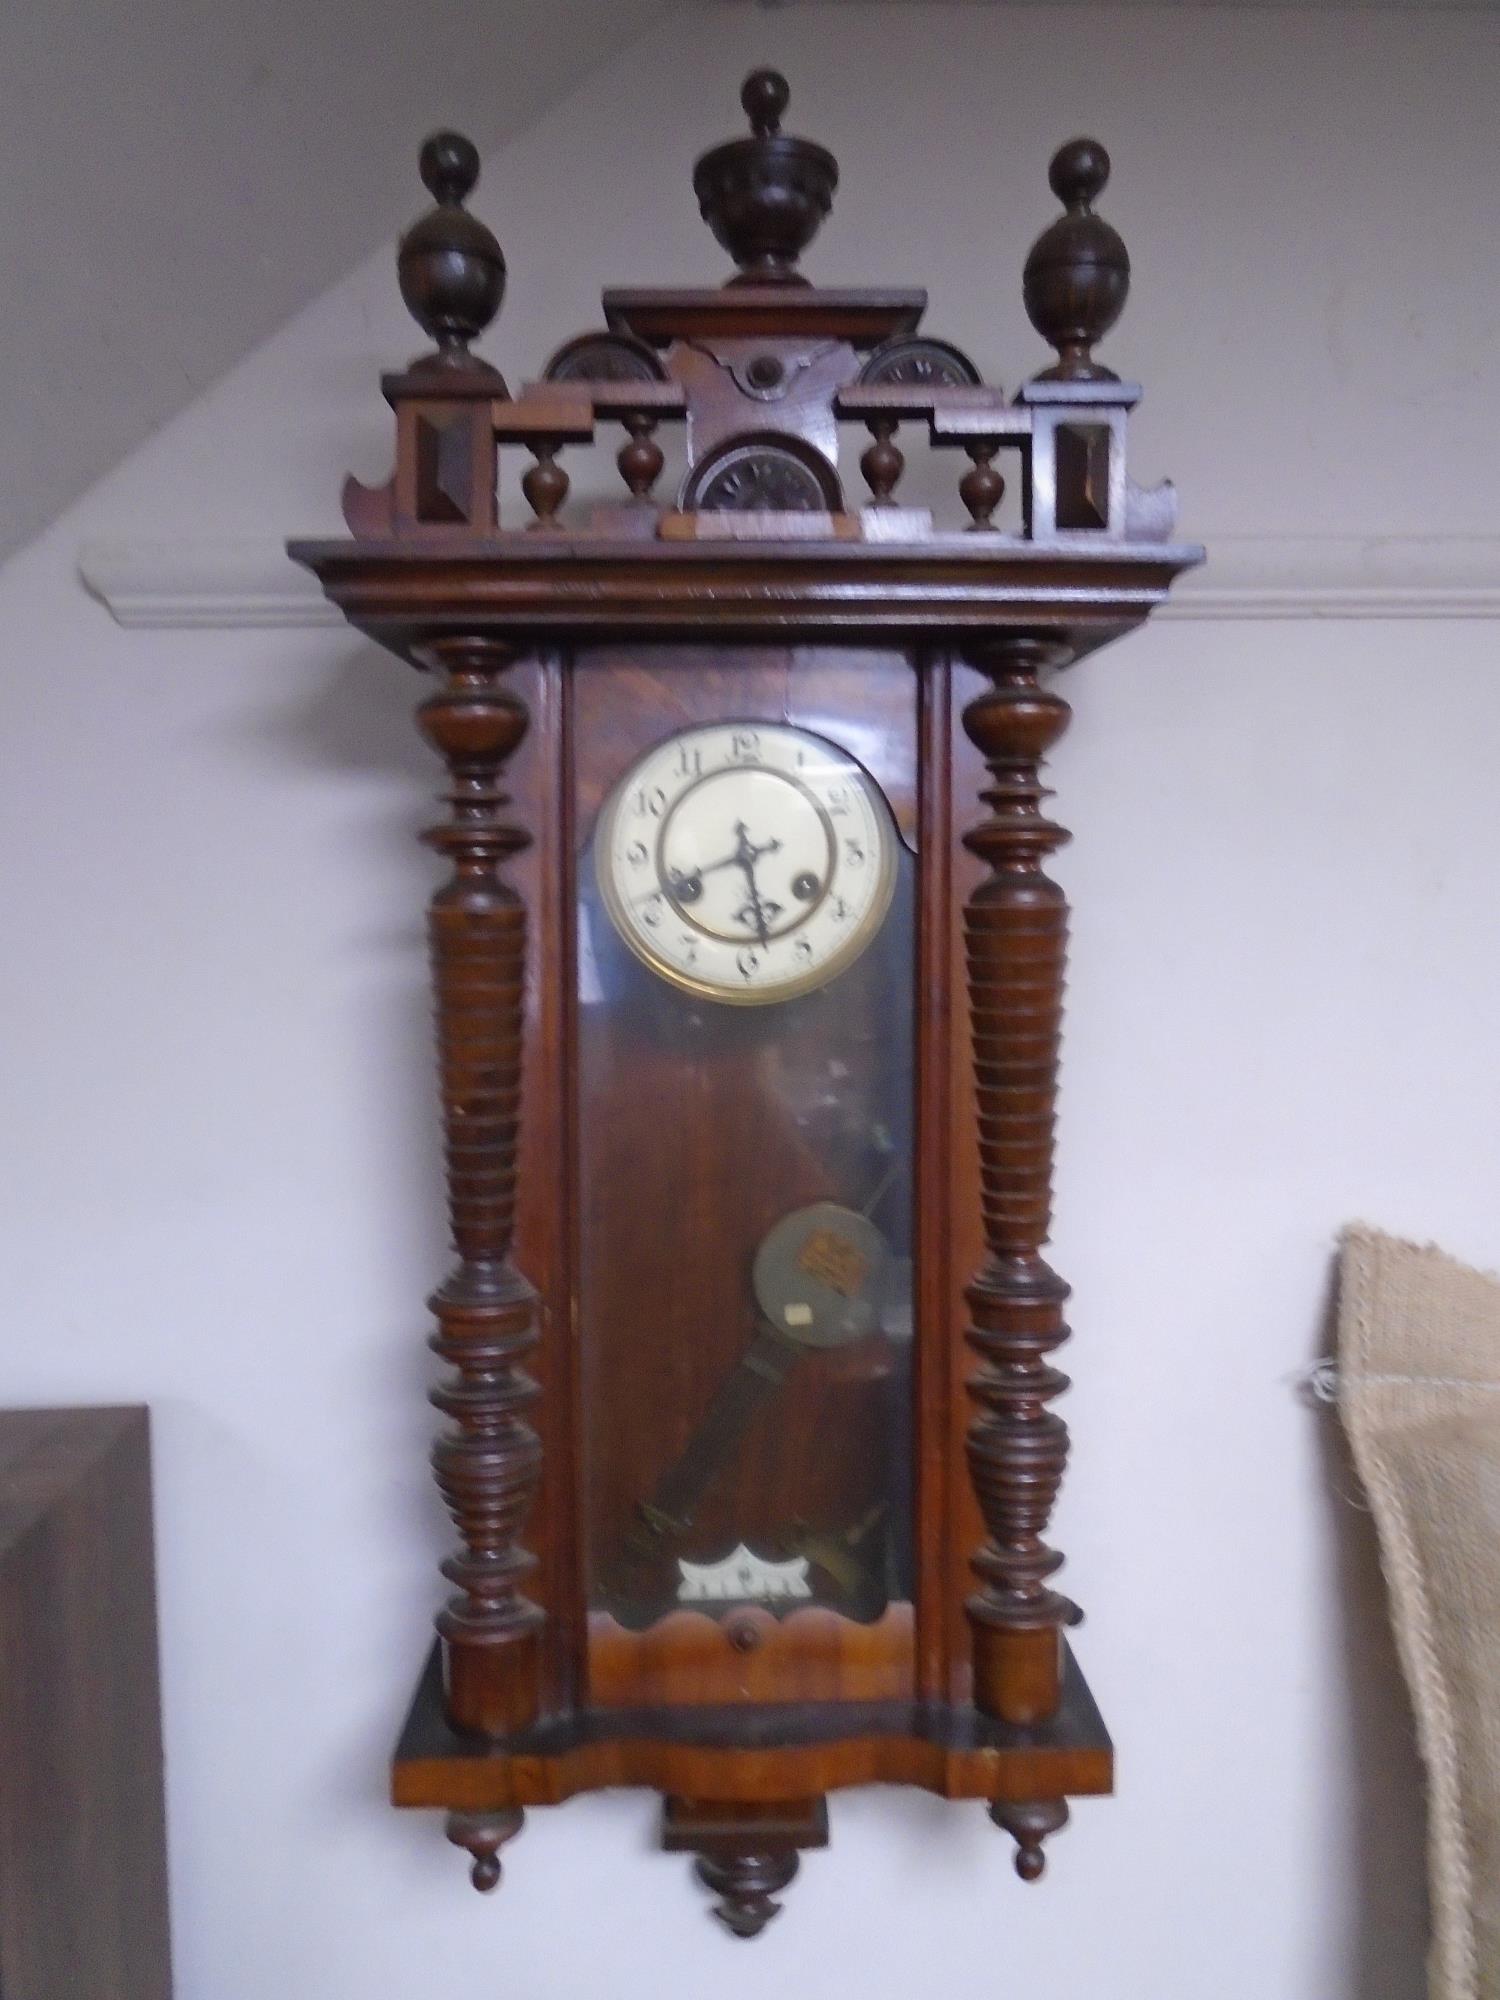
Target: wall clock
[[748, 979]]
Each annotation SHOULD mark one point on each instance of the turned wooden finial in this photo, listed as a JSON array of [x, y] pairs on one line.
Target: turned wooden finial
[[450, 266], [747, 1885], [1078, 272], [1031, 1825], [482, 1835], [764, 95], [764, 197]]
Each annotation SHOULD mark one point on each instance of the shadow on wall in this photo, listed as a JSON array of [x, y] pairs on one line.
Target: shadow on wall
[[350, 727], [1385, 1951]]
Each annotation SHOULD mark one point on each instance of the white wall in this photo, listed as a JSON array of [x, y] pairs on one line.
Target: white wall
[[221, 1181], [179, 172]]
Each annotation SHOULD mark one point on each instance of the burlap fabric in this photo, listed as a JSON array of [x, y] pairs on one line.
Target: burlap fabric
[[1419, 1391]]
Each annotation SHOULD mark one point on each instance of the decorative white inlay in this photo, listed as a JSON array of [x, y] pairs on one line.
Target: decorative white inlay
[[742, 1575]]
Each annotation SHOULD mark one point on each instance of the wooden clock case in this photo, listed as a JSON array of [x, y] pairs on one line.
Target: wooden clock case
[[558, 649]]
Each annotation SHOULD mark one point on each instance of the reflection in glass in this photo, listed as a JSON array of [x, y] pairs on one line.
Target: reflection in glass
[[745, 1295]]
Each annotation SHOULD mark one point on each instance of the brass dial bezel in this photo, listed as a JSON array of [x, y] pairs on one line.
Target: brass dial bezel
[[852, 948]]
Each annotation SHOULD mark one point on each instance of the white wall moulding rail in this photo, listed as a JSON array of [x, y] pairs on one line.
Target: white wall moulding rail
[[213, 586], [239, 585]]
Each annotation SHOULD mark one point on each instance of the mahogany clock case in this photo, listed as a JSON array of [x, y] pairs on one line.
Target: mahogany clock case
[[748, 978]]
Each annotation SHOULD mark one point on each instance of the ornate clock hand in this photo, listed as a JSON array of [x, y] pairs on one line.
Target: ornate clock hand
[[684, 879], [685, 885], [758, 907]]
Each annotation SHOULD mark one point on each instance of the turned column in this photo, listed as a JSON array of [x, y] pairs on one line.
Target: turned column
[[488, 1460], [1015, 927]]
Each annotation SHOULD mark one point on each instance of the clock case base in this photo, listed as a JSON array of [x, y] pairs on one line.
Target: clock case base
[[734, 1779]]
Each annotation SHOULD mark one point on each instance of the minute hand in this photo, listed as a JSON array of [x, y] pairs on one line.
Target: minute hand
[[676, 877]]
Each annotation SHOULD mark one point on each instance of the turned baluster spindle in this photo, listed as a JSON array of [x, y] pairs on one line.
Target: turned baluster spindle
[[883, 461], [488, 1461], [982, 488], [1016, 936], [545, 484], [640, 458]]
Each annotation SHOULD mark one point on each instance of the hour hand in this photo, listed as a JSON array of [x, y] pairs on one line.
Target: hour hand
[[758, 908], [760, 912]]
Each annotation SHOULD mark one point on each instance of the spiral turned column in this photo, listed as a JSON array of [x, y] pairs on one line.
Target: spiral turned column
[[1015, 928], [488, 1460]]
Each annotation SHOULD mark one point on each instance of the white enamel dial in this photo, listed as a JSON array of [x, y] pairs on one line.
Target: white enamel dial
[[746, 861]]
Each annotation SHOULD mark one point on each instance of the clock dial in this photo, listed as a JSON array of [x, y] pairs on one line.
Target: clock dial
[[746, 862]]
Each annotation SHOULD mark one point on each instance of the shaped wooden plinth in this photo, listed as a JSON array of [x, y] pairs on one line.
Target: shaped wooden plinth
[[741, 1765]]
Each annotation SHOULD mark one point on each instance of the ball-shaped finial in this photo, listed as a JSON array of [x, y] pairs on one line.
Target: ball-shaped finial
[[1078, 273], [449, 166], [1079, 172], [450, 267], [765, 96]]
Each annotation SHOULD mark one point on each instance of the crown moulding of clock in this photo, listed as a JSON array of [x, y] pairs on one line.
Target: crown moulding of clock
[[748, 978]]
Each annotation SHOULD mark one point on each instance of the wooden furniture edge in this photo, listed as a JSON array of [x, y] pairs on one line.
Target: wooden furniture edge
[[753, 1753]]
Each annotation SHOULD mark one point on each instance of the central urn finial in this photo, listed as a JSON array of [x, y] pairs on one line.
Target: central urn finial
[[764, 197]]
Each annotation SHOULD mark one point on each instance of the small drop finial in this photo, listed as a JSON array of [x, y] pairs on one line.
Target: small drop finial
[[765, 97], [482, 1835], [450, 267], [1078, 273]]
